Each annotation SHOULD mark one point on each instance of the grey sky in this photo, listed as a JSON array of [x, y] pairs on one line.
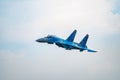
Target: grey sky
[[22, 22]]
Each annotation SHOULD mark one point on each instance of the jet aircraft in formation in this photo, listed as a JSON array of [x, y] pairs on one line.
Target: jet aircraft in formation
[[68, 44]]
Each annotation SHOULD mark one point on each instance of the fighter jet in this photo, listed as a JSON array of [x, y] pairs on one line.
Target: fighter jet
[[68, 44]]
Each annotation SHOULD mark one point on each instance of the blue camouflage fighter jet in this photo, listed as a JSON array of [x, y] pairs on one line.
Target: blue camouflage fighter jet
[[68, 44]]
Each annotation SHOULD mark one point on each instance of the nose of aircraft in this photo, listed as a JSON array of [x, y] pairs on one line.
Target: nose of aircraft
[[37, 40], [40, 40]]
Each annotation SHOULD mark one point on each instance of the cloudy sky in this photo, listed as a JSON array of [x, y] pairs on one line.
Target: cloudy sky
[[24, 21]]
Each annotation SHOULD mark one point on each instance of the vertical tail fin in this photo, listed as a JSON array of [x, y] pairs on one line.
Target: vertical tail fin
[[84, 41], [72, 36]]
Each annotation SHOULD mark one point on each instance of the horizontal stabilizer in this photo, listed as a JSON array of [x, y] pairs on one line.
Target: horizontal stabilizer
[[89, 50], [84, 48]]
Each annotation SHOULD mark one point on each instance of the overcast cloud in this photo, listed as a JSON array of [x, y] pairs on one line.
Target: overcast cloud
[[22, 22]]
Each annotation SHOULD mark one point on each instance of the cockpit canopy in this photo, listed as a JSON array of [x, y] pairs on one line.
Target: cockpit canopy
[[50, 36]]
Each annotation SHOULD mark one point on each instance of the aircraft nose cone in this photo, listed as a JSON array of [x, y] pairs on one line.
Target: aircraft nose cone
[[37, 40], [41, 40]]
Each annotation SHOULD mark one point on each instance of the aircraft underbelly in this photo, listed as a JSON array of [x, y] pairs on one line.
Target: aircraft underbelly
[[68, 47]]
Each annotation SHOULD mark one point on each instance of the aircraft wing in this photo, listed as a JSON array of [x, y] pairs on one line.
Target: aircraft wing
[[89, 50], [72, 45], [66, 44]]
